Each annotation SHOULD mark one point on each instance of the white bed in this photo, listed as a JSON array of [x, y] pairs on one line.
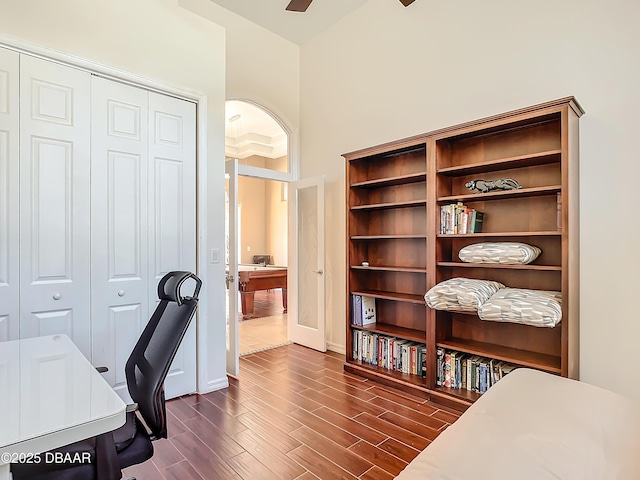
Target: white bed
[[537, 426]]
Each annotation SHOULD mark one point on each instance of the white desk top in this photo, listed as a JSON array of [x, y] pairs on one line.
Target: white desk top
[[50, 396]]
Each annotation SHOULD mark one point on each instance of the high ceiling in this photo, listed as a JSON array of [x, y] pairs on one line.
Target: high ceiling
[[294, 26]]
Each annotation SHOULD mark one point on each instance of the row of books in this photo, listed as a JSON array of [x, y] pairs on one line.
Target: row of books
[[469, 372], [389, 352], [363, 310], [457, 218]]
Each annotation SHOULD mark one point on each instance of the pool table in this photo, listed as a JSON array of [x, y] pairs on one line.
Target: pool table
[[256, 277]]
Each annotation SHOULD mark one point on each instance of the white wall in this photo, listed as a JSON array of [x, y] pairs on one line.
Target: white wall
[[157, 40], [387, 72]]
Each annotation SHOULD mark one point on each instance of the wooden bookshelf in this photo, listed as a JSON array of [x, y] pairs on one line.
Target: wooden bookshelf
[[394, 195]]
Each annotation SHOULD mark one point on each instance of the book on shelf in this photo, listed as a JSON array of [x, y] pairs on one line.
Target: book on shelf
[[458, 219], [469, 372], [368, 310], [389, 352], [356, 310]]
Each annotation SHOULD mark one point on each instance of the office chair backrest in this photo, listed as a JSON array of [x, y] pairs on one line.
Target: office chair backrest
[[149, 362]]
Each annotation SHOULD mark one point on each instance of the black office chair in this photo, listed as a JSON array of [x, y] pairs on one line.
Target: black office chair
[[146, 370]]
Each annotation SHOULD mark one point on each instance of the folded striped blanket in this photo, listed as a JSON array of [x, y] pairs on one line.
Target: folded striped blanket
[[506, 253], [465, 294], [539, 308]]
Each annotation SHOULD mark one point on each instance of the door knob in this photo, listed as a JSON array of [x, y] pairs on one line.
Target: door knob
[[121, 293], [57, 296]]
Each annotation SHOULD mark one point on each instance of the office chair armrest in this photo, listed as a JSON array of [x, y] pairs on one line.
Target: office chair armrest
[[132, 407], [102, 369]]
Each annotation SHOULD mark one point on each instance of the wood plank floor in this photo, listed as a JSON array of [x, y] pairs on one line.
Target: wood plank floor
[[294, 414]]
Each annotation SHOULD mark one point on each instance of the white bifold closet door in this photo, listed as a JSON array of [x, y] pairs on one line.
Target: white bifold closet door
[[143, 220], [9, 196], [55, 118]]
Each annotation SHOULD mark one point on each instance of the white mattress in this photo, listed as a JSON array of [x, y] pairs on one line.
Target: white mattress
[[537, 426]]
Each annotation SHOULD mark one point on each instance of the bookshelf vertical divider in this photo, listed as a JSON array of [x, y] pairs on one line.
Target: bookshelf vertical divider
[[396, 251]]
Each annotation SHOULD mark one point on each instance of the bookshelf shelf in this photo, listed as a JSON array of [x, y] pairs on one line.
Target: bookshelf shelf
[[378, 206], [541, 158], [396, 296], [395, 198], [388, 237], [549, 233], [524, 358], [547, 268], [390, 269], [503, 194], [394, 331], [387, 182]]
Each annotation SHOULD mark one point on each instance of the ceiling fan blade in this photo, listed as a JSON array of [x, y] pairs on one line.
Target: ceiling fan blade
[[299, 5], [406, 3]]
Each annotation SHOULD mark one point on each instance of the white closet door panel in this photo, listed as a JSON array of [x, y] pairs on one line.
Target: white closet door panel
[[9, 196], [172, 206], [54, 201], [119, 218]]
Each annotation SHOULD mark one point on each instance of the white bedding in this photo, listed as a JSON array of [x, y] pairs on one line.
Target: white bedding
[[537, 426]]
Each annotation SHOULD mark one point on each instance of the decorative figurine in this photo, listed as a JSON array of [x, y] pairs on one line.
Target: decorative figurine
[[484, 186]]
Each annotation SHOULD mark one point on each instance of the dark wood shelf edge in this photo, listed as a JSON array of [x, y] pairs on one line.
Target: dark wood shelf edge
[[399, 297], [393, 331], [549, 268], [417, 389], [541, 233], [382, 206], [390, 181], [539, 158], [524, 358], [503, 194], [390, 269]]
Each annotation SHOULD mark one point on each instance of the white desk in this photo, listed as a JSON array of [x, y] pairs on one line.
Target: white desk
[[50, 396]]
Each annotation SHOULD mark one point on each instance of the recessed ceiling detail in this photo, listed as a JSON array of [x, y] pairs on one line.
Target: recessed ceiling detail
[[249, 131]]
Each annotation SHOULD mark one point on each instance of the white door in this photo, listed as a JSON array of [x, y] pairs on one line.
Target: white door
[[172, 215], [119, 218], [306, 280], [54, 201], [9, 196], [232, 255]]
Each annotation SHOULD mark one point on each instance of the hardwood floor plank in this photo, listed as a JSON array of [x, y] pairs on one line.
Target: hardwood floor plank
[[445, 416], [379, 457], [376, 473], [271, 457], [397, 449], [319, 465], [294, 414], [348, 406], [202, 458], [411, 425], [214, 438], [279, 439], [249, 468], [182, 471], [165, 454], [405, 436], [351, 426], [144, 471], [345, 459]]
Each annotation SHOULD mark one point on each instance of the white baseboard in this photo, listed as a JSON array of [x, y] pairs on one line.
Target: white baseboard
[[213, 385], [334, 347]]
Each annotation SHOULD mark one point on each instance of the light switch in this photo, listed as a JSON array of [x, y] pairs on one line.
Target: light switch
[[215, 255]]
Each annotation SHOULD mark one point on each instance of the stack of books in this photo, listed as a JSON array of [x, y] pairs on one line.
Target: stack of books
[[390, 353], [457, 218], [468, 372]]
